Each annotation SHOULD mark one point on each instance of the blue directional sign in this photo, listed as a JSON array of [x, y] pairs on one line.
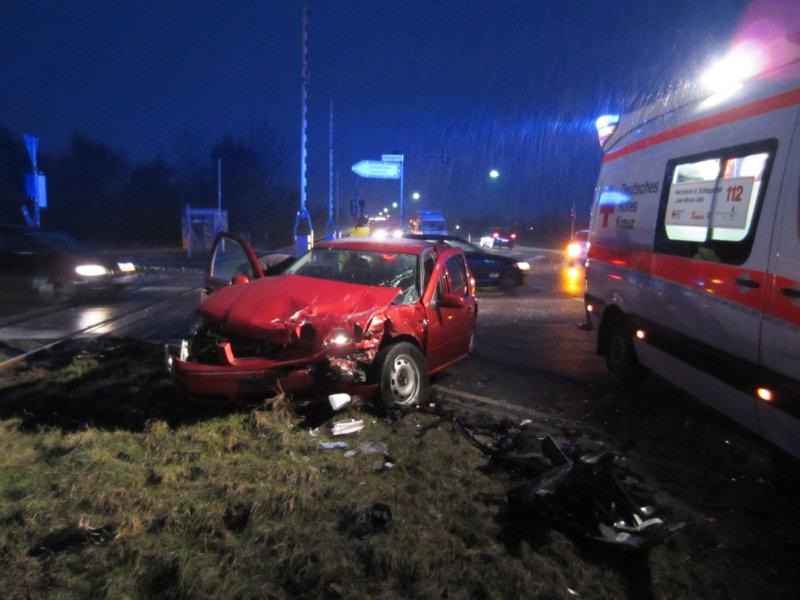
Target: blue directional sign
[[377, 169]]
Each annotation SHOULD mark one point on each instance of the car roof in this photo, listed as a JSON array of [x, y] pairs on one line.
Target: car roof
[[431, 236], [397, 245]]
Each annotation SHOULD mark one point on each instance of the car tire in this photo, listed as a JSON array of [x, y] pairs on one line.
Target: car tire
[[507, 281], [58, 293], [403, 376], [621, 358]]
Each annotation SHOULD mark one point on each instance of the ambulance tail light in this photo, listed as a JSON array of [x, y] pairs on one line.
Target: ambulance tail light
[[606, 125]]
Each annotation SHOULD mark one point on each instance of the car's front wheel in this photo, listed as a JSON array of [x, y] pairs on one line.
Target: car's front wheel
[[403, 375], [57, 292], [508, 281]]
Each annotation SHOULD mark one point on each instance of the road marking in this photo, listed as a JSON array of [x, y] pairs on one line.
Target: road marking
[[521, 410]]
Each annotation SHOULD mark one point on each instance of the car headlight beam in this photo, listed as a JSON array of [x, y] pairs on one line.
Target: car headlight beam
[[524, 265], [126, 267], [573, 250]]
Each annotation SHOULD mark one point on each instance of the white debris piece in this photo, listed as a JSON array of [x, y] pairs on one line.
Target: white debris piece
[[348, 426], [339, 401]]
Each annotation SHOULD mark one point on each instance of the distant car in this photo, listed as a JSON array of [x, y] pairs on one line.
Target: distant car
[[578, 248], [360, 316], [487, 269], [498, 237], [55, 266]]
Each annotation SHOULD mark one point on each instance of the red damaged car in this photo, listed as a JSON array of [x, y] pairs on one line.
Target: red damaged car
[[360, 316]]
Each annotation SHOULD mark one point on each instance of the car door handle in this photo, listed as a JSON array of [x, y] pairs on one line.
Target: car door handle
[[791, 292], [744, 282]]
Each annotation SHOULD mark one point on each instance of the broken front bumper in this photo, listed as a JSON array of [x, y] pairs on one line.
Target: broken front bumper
[[241, 379]]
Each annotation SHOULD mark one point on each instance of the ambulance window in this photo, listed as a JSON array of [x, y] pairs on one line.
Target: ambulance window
[[710, 206]]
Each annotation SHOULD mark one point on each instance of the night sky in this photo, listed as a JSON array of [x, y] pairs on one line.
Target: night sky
[[511, 85]]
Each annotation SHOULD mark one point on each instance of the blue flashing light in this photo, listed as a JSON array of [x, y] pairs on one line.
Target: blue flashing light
[[606, 124]]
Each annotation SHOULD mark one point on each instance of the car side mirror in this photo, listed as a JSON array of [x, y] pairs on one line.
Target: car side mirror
[[237, 279], [451, 301]]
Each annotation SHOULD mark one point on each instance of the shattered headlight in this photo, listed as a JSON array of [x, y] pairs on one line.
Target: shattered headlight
[[338, 339]]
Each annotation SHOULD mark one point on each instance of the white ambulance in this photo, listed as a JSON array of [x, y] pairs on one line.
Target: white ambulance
[[694, 259]]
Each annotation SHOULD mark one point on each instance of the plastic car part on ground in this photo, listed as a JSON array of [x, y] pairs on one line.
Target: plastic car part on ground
[[72, 536], [347, 426], [376, 520], [580, 494], [339, 401]]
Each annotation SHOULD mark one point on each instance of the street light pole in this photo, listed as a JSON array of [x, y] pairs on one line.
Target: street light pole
[[219, 184]]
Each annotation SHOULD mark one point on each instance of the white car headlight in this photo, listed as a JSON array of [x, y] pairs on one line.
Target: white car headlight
[[523, 265], [91, 270], [126, 267], [338, 338], [573, 250]]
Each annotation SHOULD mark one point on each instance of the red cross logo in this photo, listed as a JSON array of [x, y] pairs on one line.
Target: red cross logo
[[606, 210]]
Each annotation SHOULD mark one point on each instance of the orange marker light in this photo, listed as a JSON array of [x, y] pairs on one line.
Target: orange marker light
[[765, 394]]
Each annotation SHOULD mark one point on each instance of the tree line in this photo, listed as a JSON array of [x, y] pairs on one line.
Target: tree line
[[101, 196]]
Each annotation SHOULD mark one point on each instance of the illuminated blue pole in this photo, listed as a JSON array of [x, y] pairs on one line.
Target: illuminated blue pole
[[402, 198], [303, 230], [330, 231]]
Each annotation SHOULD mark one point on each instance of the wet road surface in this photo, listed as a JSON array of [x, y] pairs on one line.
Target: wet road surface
[[159, 307]]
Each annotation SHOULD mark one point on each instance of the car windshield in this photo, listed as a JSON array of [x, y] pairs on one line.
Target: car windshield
[[382, 269]]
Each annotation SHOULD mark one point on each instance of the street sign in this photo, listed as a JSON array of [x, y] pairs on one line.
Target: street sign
[[32, 145], [396, 158], [36, 188], [376, 169]]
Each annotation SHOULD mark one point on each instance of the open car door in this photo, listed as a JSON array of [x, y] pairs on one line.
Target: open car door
[[232, 262], [451, 310]]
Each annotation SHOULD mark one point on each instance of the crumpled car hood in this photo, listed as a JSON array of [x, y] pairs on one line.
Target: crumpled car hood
[[272, 308]]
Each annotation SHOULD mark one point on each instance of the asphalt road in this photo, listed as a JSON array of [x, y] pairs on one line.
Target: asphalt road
[[159, 307]]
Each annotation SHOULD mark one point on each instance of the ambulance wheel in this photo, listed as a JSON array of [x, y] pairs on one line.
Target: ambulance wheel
[[620, 354], [403, 376]]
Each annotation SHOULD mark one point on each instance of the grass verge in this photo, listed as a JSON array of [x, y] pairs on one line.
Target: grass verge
[[111, 485]]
